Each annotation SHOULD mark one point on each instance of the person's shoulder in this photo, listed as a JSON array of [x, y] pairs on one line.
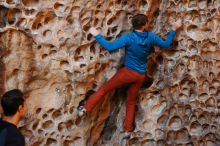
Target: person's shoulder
[[14, 131], [5, 124], [151, 33], [13, 134], [1, 124], [128, 37], [125, 36], [129, 34], [11, 129]]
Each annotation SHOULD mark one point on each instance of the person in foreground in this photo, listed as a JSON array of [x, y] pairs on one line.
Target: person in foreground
[[14, 108], [138, 46]]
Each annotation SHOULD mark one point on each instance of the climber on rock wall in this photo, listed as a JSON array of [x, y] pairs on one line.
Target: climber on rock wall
[[138, 46], [14, 109]]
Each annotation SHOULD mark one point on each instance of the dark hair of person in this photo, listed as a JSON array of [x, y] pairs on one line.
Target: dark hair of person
[[11, 101], [138, 21]]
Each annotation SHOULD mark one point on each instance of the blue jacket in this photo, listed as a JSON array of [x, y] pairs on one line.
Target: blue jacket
[[138, 46]]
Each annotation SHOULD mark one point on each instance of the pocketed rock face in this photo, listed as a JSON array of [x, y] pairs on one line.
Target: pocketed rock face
[[46, 51]]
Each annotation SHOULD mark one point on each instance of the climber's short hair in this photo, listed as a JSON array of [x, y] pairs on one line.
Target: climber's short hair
[[138, 21], [11, 101]]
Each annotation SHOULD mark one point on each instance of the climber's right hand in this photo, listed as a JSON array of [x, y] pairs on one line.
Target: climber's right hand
[[176, 25], [93, 31]]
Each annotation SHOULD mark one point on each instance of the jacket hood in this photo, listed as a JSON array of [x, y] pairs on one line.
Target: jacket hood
[[142, 37]]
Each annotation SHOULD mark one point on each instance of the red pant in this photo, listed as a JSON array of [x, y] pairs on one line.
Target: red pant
[[123, 76]]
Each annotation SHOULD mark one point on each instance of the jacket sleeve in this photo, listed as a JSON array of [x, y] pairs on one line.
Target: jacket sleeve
[[158, 41], [114, 45]]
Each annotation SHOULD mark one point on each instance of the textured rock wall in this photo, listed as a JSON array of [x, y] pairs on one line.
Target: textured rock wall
[[47, 52]]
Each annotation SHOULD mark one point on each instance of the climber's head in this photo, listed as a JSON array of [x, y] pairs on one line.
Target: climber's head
[[13, 104], [139, 22]]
